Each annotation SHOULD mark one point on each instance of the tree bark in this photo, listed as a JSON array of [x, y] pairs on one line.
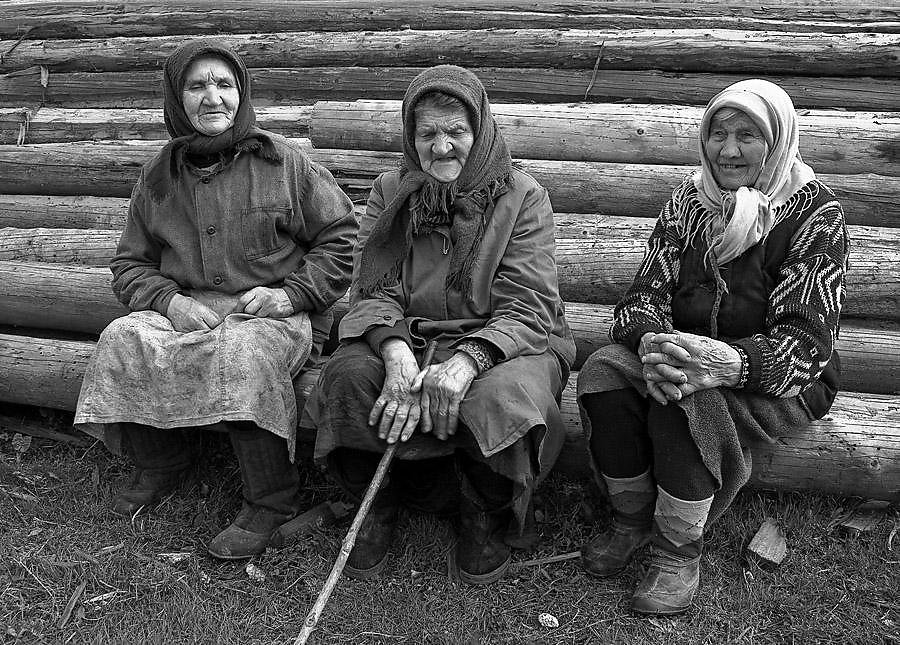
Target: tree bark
[[52, 19], [42, 211], [830, 141], [853, 452], [57, 125], [110, 169], [79, 299], [673, 50], [296, 86], [597, 257]]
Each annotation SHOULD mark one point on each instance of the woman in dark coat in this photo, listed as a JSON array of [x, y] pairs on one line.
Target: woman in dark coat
[[725, 338], [235, 247], [456, 247]]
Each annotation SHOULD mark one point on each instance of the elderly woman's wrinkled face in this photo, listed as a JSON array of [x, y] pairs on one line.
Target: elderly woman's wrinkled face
[[210, 95], [736, 148], [443, 138]]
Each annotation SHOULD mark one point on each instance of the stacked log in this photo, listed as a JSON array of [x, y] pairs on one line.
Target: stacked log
[[110, 168], [85, 19], [79, 115]]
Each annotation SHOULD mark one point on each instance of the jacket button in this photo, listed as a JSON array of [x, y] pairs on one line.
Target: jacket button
[[211, 230], [205, 180], [217, 280], [386, 317]]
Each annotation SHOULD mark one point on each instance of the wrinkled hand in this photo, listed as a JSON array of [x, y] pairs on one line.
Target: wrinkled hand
[[187, 314], [396, 410], [265, 303], [443, 387], [662, 380], [692, 362]]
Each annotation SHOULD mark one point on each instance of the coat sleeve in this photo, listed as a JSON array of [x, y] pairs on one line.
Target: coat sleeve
[[328, 232], [374, 318], [137, 281], [647, 304], [525, 290], [804, 309]]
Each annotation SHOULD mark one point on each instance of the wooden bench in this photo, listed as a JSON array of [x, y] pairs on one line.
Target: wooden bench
[[79, 115]]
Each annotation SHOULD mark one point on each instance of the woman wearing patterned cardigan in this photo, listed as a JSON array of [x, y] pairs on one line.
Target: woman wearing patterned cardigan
[[725, 338]]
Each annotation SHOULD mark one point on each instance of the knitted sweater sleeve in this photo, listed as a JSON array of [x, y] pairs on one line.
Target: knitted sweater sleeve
[[647, 305], [804, 309]]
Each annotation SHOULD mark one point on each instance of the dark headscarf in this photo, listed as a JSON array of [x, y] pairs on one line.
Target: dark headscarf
[[484, 177], [243, 135]]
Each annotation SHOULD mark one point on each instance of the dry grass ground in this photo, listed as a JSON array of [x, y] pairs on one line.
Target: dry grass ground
[[58, 541]]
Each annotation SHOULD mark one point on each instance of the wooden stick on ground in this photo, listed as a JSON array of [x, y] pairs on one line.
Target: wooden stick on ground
[[313, 616]]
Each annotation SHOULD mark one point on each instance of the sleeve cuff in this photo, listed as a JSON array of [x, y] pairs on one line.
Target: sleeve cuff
[[483, 353], [752, 364], [298, 301], [632, 337], [162, 301], [381, 333]]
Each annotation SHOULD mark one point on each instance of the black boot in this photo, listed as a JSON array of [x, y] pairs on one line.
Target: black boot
[[270, 486], [162, 458], [482, 555], [354, 470]]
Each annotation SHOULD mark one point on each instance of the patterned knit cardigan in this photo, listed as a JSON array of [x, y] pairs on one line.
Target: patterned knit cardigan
[[801, 322]]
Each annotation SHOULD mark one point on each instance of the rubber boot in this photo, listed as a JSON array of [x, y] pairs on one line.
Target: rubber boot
[[633, 500], [482, 555], [673, 574], [354, 470], [162, 458], [270, 486]]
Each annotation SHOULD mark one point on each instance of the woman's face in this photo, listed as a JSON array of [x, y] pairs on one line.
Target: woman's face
[[736, 148], [443, 139], [210, 95]]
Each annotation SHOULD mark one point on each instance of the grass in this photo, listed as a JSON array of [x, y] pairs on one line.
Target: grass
[[57, 537]]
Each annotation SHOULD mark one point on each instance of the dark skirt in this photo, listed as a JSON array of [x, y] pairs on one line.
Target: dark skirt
[[510, 415]]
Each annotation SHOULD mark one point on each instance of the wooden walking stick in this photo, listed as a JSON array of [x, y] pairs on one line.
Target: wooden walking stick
[[313, 616]]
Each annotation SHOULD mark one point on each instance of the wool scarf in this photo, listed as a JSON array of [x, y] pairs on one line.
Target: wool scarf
[[485, 176], [734, 221], [242, 136]]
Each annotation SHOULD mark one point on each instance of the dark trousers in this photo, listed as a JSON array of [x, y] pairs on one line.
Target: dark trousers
[[631, 433]]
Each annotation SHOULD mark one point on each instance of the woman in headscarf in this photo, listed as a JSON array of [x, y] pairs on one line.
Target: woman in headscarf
[[456, 246], [725, 338], [235, 247]]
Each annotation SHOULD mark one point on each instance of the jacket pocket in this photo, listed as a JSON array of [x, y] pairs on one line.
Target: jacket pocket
[[264, 230]]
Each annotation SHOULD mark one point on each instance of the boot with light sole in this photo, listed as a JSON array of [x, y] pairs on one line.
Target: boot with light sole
[[673, 574]]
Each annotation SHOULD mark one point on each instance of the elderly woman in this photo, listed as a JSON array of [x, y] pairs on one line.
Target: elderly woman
[[235, 247], [456, 247], [725, 338]]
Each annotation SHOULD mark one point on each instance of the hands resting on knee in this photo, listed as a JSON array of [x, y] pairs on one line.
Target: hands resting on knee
[[677, 364], [427, 398]]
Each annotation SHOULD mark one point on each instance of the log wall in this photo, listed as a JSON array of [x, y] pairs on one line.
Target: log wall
[[599, 100]]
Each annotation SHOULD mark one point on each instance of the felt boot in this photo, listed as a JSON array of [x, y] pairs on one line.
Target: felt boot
[[673, 574], [162, 458], [482, 555], [270, 486], [633, 501], [354, 470]]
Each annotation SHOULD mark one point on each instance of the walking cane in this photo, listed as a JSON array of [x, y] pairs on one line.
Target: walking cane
[[313, 616]]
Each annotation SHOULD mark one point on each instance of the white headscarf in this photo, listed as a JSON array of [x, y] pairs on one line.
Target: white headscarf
[[743, 217]]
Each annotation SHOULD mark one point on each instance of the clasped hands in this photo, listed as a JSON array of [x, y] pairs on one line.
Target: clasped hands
[[188, 314], [427, 398], [677, 364]]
